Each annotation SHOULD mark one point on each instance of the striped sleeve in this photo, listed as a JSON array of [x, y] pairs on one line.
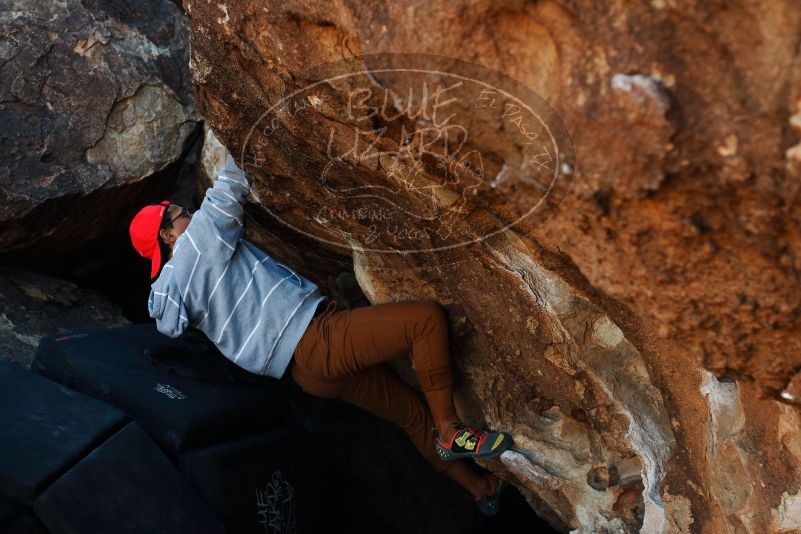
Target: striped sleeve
[[169, 312], [222, 212]]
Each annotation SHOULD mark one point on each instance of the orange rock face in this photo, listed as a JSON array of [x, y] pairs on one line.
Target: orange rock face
[[627, 305]]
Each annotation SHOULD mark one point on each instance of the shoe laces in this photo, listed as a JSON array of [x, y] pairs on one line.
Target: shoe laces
[[480, 434]]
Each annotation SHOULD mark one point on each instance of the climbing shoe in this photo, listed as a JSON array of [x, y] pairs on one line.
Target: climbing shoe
[[490, 504], [469, 442]]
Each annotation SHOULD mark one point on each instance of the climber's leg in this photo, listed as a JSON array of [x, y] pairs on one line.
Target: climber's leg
[[464, 474], [379, 391], [341, 343]]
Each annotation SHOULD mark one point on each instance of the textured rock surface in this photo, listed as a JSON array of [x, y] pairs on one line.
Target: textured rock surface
[[33, 306], [638, 341], [94, 97]]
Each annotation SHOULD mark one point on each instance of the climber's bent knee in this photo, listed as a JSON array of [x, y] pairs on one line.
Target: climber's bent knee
[[432, 315]]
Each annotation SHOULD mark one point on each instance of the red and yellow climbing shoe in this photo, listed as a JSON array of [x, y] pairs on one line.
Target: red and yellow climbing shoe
[[469, 442]]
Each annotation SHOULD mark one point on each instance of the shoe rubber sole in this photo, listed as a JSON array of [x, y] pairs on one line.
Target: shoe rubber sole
[[490, 505]]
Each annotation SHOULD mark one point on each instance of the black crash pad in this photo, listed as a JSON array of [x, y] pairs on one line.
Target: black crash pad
[[46, 428], [267, 482], [9, 510], [166, 384], [126, 485], [16, 518], [25, 523]]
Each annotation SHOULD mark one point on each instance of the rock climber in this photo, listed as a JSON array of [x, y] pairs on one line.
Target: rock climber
[[270, 320]]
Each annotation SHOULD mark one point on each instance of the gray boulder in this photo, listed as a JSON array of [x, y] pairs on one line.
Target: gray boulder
[[33, 306], [95, 96]]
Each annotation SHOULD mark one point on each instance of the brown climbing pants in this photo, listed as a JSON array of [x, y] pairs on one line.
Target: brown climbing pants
[[343, 352]]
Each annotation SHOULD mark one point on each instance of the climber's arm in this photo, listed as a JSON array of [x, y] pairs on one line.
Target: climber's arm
[[222, 212]]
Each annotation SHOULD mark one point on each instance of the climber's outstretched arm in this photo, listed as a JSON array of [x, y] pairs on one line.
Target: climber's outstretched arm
[[221, 215]]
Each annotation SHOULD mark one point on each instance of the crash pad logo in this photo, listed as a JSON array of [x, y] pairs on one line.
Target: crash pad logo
[[409, 153], [69, 336], [169, 391], [276, 506]]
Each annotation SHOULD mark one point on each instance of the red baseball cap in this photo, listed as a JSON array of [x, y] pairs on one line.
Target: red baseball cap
[[144, 232]]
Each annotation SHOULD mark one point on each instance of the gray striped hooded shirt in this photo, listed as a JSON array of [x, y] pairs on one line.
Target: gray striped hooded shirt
[[254, 308]]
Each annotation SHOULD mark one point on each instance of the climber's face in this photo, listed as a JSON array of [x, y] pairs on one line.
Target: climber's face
[[174, 225]]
